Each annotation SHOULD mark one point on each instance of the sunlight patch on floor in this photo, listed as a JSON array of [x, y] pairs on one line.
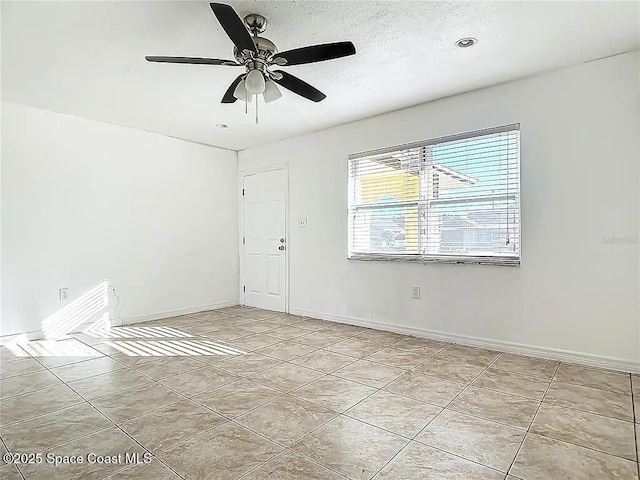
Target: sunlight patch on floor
[[162, 348], [64, 348]]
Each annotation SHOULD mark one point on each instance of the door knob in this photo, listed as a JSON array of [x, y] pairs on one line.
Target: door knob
[[281, 247]]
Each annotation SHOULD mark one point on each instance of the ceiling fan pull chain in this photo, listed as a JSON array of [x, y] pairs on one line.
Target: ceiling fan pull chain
[[246, 101], [257, 109]]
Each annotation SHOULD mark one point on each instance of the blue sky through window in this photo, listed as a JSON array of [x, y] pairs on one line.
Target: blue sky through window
[[490, 160]]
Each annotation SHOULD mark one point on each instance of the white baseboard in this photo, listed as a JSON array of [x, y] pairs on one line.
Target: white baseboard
[[174, 313], [39, 335], [33, 335], [566, 356]]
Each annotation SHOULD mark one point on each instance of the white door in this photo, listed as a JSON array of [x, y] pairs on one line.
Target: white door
[[265, 242]]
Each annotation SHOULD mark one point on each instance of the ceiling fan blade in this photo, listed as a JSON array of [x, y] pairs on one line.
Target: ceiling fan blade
[[299, 87], [233, 25], [315, 53], [228, 95], [193, 61]]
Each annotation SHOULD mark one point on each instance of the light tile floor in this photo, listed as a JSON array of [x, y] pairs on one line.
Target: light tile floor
[[252, 394]]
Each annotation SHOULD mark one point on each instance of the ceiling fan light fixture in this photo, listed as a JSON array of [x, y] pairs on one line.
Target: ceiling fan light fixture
[[271, 92], [254, 82]]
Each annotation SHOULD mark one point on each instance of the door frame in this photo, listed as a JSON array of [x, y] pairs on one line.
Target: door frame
[[241, 229]]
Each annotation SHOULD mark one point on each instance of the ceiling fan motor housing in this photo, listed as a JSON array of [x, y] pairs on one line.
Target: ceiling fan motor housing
[[265, 47]]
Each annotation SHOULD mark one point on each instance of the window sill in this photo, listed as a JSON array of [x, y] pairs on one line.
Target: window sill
[[447, 259]]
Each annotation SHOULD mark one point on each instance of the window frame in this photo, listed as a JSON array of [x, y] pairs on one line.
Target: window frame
[[423, 206]]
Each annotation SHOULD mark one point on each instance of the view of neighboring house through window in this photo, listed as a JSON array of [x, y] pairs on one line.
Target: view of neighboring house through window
[[450, 199]]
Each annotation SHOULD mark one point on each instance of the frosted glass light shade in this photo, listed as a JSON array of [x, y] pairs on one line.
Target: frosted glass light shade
[[241, 92], [271, 92], [254, 82]]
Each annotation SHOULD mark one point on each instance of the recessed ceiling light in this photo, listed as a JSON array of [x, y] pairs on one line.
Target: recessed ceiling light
[[222, 125], [466, 42]]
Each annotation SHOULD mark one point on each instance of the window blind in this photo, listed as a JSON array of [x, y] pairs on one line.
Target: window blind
[[450, 199]]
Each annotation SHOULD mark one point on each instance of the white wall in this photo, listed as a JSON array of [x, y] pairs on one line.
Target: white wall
[[580, 170], [84, 201]]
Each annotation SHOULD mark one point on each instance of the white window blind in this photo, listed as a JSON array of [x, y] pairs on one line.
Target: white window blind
[[452, 199]]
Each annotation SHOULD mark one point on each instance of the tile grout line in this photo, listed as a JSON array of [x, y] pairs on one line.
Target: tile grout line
[[132, 466], [28, 419], [20, 472], [17, 467], [288, 450], [635, 425], [568, 442], [533, 419], [292, 339], [617, 392], [285, 447], [443, 409]]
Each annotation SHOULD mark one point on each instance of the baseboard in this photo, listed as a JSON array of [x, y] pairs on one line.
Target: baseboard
[[14, 337], [566, 356], [39, 335], [173, 313]]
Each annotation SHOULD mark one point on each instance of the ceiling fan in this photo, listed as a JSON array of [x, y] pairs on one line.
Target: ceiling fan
[[258, 55]]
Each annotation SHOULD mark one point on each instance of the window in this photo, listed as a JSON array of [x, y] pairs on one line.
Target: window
[[453, 199]]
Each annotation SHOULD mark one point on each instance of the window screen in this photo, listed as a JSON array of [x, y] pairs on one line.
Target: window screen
[[453, 199]]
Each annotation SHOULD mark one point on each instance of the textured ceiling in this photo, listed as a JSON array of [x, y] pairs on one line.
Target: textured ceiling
[[87, 58]]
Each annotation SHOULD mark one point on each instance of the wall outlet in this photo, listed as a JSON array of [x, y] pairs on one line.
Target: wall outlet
[[303, 222], [416, 293], [63, 294]]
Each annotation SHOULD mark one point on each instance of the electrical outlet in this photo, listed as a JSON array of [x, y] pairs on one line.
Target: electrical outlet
[[303, 222], [416, 293], [63, 294]]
